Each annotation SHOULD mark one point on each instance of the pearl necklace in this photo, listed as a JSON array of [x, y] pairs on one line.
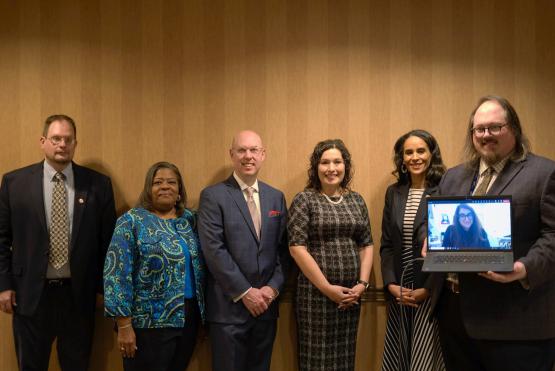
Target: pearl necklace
[[332, 201]]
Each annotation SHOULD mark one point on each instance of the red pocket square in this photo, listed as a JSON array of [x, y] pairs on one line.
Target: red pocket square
[[273, 213]]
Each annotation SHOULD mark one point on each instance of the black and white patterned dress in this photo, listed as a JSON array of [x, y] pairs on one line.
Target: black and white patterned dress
[[333, 235], [415, 336]]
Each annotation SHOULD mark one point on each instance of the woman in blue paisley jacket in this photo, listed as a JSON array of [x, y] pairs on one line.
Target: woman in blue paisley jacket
[[153, 276]]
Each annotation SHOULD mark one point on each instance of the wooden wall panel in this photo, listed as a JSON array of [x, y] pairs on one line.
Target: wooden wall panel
[[174, 80]]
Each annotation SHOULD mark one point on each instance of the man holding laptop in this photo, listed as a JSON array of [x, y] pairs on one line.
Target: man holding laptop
[[502, 320]]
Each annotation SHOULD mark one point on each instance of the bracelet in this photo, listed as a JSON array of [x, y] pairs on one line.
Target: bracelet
[[125, 326], [364, 283]]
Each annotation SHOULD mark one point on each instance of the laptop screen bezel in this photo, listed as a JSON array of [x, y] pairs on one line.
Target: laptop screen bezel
[[462, 199]]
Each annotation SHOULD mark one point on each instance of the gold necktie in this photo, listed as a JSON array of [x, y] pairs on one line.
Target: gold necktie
[[253, 210], [483, 187], [59, 224]]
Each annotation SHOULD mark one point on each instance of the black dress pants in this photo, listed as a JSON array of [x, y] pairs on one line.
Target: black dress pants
[[166, 349], [56, 317], [462, 353]]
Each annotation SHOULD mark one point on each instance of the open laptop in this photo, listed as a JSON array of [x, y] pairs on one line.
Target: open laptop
[[469, 234]]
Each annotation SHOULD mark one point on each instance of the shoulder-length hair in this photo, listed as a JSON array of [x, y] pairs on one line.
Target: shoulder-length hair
[[436, 168], [476, 231], [145, 199], [313, 179], [522, 145]]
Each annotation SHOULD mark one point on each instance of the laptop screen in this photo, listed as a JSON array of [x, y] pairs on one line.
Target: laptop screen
[[469, 223]]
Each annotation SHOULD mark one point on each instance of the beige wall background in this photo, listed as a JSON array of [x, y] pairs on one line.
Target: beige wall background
[[174, 80]]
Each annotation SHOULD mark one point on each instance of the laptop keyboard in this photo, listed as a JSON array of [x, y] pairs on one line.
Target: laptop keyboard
[[470, 259]]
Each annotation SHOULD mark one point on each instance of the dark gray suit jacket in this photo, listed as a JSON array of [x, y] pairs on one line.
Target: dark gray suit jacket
[[24, 237], [235, 258], [499, 311], [391, 245]]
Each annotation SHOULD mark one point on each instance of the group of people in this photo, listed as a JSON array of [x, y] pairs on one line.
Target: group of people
[[163, 269]]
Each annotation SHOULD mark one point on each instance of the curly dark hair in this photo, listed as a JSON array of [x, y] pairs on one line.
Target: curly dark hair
[[145, 199], [435, 170], [313, 179]]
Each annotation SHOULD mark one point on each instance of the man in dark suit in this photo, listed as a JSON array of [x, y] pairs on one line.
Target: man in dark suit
[[242, 229], [503, 321], [56, 221]]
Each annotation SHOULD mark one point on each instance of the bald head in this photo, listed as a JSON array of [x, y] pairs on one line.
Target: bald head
[[247, 155], [246, 135]]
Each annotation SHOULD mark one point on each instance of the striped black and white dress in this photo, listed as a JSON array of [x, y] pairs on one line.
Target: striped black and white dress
[[413, 344]]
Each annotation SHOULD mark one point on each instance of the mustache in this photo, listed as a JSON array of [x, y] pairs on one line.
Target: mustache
[[489, 140]]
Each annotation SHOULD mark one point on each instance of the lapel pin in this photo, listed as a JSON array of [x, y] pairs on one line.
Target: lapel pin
[[81, 201]]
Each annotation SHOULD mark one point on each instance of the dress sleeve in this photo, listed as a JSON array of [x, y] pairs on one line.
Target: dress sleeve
[[118, 270], [364, 238], [299, 219]]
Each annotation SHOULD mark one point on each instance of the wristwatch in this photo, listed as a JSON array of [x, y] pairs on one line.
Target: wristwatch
[[364, 283]]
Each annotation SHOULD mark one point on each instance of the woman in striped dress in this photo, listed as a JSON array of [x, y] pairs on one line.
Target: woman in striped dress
[[411, 341]]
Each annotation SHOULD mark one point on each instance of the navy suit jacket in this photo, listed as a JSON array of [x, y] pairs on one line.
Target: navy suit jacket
[[25, 241], [498, 311], [391, 245], [235, 258]]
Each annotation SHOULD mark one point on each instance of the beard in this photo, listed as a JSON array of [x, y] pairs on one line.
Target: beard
[[489, 157]]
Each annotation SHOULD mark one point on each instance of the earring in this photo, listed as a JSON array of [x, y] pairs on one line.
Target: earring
[[403, 169], [178, 197]]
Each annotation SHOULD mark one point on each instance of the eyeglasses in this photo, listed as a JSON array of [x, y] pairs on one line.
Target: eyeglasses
[[255, 151], [466, 216], [492, 129], [56, 140]]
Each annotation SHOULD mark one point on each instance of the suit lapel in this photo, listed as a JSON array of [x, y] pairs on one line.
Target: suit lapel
[[402, 195], [37, 194], [264, 209], [505, 177], [464, 187], [80, 202], [422, 208], [239, 199]]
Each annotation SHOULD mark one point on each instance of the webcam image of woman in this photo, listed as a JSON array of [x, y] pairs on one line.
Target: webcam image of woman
[[466, 230]]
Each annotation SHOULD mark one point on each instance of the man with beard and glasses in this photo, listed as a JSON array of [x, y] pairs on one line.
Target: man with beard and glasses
[[502, 321], [242, 229]]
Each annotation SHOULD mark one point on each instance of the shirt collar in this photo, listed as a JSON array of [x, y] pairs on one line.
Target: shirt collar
[[244, 185], [49, 171], [497, 167]]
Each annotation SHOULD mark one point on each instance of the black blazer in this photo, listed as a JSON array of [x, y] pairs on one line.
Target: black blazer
[[392, 236], [24, 237], [497, 311], [235, 257]]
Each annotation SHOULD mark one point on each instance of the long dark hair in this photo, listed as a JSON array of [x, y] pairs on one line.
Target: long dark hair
[[313, 179], [145, 199], [435, 170], [474, 237]]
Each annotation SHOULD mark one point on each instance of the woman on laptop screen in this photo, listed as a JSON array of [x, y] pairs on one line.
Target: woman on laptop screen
[[466, 230]]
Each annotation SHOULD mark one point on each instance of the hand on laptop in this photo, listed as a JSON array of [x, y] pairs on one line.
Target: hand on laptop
[[518, 273]]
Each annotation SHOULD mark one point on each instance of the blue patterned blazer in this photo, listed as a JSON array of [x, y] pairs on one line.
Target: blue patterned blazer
[[144, 272]]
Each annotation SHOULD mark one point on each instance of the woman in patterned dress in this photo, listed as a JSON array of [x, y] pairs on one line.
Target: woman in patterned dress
[[330, 240], [411, 341], [153, 276]]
